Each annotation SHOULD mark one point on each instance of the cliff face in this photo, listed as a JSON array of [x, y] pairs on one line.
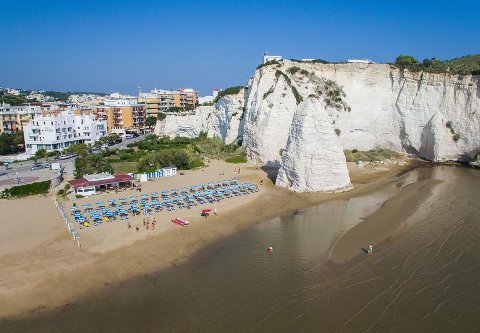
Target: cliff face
[[313, 159], [300, 116], [369, 106], [225, 119]]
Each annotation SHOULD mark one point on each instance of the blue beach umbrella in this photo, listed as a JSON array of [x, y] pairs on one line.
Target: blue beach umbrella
[[133, 197], [111, 200]]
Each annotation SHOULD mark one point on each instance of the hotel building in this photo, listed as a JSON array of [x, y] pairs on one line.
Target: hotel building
[[61, 130]]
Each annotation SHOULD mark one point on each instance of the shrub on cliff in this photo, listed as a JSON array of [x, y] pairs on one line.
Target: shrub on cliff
[[405, 60], [293, 70], [268, 63], [228, 91]]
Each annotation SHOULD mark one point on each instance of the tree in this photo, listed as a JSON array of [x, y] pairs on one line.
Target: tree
[[405, 60], [161, 116], [151, 121], [80, 149], [39, 154]]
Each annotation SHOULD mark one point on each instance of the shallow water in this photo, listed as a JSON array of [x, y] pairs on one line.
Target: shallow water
[[422, 277]]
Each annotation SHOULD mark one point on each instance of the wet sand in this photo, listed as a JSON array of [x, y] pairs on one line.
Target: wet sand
[[41, 267]]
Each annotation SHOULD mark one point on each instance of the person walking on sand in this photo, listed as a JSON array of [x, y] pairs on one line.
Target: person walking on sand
[[144, 222], [215, 211], [370, 248]]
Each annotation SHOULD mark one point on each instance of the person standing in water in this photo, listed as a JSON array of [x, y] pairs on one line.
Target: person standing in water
[[370, 248]]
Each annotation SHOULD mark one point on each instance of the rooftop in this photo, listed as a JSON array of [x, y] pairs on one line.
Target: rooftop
[[100, 179]]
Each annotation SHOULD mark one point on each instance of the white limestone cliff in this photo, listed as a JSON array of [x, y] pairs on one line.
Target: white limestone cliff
[[225, 119], [313, 159], [380, 106], [434, 116]]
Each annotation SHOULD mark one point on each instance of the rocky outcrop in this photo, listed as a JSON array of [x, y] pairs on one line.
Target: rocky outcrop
[[434, 116], [370, 106], [313, 159], [225, 119]]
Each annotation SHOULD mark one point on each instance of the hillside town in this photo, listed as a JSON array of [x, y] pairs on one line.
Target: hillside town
[[55, 121]]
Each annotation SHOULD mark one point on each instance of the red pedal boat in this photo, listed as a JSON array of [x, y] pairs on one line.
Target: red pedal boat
[[181, 222]]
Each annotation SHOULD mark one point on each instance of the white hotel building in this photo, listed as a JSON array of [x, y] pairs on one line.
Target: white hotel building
[[60, 131]]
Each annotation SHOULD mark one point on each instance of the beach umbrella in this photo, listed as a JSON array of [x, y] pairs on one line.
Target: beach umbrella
[[122, 198], [111, 200], [87, 205], [145, 195], [133, 197], [154, 193], [99, 202]]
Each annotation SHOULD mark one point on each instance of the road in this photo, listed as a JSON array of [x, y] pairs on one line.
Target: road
[[23, 167]]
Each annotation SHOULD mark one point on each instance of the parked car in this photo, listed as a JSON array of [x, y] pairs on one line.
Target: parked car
[[47, 166], [129, 136], [36, 167]]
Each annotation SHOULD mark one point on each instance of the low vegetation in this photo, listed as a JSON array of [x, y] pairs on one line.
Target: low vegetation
[[298, 97], [26, 190], [378, 154], [154, 153], [268, 63], [469, 64], [293, 70], [236, 159], [228, 91], [13, 99]]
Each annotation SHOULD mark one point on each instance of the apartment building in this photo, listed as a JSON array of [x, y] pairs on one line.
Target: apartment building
[[121, 115], [159, 100], [13, 118], [61, 130]]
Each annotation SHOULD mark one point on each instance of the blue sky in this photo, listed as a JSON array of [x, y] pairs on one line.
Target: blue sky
[[118, 45]]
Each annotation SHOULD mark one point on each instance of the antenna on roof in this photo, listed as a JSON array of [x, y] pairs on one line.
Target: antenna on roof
[[139, 90]]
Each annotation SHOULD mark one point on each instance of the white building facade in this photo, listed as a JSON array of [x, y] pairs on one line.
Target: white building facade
[[267, 58], [60, 131]]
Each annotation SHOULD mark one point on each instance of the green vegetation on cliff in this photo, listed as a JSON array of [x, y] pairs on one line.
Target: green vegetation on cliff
[[228, 91], [469, 64]]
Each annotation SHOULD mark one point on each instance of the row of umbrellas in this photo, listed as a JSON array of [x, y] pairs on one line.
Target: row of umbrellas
[[184, 196]]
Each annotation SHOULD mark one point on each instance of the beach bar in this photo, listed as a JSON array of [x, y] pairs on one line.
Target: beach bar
[[90, 184]]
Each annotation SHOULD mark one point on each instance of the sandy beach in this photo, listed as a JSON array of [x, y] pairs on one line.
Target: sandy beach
[[41, 267]]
